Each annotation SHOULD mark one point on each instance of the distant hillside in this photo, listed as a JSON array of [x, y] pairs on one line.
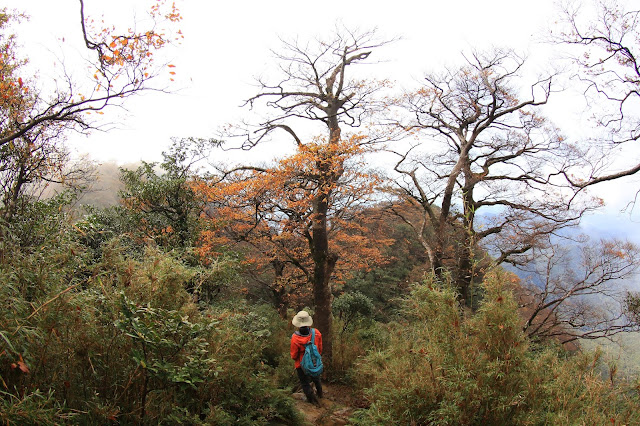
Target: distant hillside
[[596, 227], [624, 351]]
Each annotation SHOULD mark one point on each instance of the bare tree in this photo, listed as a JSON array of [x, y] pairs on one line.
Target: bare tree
[[571, 298], [34, 164], [34, 123], [607, 58], [122, 65], [488, 151], [318, 85]]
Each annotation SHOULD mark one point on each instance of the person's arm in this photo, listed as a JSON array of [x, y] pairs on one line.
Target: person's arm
[[294, 350], [319, 341]]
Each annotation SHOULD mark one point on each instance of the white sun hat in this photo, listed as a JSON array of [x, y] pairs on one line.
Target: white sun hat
[[302, 319]]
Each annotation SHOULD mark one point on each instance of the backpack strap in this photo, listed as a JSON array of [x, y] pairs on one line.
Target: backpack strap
[[313, 337]]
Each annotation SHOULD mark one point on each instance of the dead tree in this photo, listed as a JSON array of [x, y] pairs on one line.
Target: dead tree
[[482, 149], [576, 294]]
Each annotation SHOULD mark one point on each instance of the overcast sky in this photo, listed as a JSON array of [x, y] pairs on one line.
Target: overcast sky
[[228, 43]]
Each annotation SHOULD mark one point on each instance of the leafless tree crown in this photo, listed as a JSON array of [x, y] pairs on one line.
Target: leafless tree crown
[[607, 57], [317, 84]]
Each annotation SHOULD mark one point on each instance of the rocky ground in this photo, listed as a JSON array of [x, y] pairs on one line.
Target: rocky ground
[[335, 408]]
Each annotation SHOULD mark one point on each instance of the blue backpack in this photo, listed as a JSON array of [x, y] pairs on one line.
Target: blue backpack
[[311, 360]]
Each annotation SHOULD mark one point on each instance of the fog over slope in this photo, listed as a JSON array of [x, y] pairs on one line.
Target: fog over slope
[[104, 191]]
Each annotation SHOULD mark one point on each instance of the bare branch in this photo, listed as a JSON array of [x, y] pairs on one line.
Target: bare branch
[[488, 150]]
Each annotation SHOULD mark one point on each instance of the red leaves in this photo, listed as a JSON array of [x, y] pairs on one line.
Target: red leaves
[[21, 365]]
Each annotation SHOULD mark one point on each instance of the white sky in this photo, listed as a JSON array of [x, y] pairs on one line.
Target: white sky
[[227, 44]]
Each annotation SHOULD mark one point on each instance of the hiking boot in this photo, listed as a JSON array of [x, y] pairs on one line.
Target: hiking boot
[[308, 392], [319, 390]]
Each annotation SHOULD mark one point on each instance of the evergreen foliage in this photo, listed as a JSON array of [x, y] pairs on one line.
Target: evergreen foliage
[[100, 333], [161, 199], [443, 366]]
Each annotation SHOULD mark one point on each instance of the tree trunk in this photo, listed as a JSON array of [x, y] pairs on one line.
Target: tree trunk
[[278, 289], [324, 262], [466, 261], [464, 276], [437, 264]]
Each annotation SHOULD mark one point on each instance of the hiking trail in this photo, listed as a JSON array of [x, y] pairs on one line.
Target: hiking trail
[[337, 405]]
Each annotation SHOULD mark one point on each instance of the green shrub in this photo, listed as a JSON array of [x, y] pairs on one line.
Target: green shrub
[[119, 338], [350, 345], [251, 343], [444, 366], [352, 308], [31, 409]]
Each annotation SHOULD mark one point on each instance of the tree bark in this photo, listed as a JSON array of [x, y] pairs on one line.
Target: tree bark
[[324, 262]]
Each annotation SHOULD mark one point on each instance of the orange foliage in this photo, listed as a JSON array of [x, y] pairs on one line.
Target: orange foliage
[[270, 213], [13, 89], [132, 49], [124, 62]]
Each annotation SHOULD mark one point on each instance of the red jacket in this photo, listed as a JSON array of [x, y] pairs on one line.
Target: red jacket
[[298, 342]]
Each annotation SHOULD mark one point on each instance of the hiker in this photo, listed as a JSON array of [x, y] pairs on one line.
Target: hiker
[[303, 322]]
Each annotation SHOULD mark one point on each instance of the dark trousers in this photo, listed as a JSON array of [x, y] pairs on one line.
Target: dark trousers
[[305, 382]]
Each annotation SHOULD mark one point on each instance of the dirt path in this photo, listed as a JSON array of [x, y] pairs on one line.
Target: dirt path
[[335, 408]]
